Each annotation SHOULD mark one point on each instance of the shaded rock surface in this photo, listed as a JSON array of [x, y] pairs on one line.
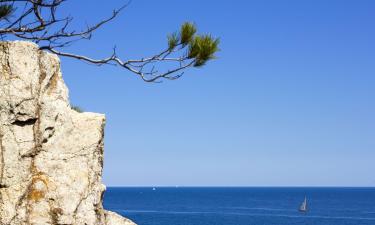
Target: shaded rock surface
[[51, 157]]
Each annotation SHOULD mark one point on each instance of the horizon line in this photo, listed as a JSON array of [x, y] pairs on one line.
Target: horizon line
[[230, 186]]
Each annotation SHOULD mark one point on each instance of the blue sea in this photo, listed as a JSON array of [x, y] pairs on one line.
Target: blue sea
[[243, 206]]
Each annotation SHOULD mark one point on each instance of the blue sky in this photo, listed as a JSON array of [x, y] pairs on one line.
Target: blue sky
[[288, 102]]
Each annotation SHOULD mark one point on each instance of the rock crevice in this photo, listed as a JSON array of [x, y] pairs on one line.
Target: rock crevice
[[51, 157]]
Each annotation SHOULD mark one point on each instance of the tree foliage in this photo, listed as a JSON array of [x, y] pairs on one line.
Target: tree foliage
[[38, 21], [77, 109], [201, 48]]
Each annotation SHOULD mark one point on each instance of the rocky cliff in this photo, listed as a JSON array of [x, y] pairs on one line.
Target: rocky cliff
[[51, 157]]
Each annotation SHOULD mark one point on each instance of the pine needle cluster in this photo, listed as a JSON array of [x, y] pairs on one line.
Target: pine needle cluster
[[200, 48], [6, 10]]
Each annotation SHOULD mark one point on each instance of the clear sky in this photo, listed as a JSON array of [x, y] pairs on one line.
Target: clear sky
[[289, 101]]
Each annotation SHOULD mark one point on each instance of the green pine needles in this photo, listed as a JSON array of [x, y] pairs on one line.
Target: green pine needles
[[188, 31], [173, 40], [5, 11], [200, 48]]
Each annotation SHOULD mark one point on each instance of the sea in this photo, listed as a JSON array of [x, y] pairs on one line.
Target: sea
[[242, 206]]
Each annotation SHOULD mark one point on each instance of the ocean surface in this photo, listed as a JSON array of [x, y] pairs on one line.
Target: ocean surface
[[243, 206]]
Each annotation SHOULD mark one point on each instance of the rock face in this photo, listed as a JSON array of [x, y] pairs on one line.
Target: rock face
[[51, 157]]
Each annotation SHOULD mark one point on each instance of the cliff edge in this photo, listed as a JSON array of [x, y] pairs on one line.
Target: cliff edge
[[51, 157]]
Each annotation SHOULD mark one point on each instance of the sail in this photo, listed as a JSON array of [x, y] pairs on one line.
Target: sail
[[303, 207]]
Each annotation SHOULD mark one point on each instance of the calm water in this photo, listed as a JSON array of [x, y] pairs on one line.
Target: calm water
[[243, 206]]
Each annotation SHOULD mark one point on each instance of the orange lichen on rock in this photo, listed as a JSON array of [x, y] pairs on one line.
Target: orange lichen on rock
[[38, 188]]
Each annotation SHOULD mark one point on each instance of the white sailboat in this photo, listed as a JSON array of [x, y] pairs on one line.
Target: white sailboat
[[303, 207]]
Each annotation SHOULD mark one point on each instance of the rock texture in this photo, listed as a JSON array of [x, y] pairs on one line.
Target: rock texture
[[51, 157]]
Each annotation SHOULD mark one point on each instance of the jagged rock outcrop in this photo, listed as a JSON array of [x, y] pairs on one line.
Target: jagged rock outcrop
[[51, 157]]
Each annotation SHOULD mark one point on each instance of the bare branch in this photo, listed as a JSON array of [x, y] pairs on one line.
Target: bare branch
[[150, 76]]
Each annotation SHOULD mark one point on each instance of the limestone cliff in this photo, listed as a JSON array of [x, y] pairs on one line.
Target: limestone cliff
[[51, 157]]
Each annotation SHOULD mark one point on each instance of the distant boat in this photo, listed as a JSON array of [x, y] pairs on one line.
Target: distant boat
[[154, 189], [303, 207]]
